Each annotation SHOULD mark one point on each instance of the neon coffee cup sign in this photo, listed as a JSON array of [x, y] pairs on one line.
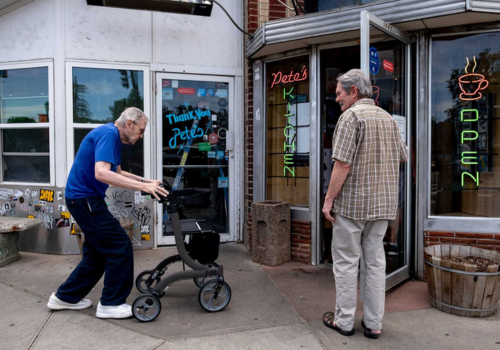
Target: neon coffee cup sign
[[471, 85]]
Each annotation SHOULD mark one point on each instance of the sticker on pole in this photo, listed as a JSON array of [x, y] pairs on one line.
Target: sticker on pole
[[374, 61]]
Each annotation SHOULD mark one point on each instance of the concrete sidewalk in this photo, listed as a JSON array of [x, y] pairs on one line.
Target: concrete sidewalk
[[271, 308]]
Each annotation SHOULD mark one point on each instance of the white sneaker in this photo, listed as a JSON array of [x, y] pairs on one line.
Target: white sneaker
[[57, 304], [118, 311]]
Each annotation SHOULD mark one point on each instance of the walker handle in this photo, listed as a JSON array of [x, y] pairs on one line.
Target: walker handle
[[171, 196]]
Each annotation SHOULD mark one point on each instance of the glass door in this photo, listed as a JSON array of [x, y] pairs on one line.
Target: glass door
[[387, 61], [390, 85], [194, 148]]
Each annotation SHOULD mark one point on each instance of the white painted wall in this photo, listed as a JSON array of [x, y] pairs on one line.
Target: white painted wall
[[94, 33], [121, 35], [199, 41], [27, 33], [106, 33]]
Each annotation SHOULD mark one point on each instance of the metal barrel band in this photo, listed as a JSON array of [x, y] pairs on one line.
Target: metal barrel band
[[462, 308], [464, 272]]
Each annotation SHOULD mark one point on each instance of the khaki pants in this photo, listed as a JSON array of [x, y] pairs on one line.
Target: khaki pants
[[353, 241]]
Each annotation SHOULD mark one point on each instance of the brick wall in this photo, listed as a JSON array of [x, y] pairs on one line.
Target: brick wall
[[300, 236], [301, 241], [258, 12], [251, 26], [479, 240]]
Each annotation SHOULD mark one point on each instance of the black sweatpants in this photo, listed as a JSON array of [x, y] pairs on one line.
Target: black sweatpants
[[107, 250]]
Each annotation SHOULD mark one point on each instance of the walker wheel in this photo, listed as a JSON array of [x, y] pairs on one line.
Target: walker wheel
[[200, 281], [214, 296], [140, 282], [146, 308]]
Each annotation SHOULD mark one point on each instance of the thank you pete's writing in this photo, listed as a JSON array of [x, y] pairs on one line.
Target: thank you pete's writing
[[187, 134]]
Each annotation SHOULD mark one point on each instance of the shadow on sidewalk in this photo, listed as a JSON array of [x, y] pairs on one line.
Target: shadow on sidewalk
[[311, 290]]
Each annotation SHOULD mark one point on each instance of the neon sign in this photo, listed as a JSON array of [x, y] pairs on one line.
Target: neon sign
[[470, 84], [187, 134], [289, 132], [172, 118], [279, 77]]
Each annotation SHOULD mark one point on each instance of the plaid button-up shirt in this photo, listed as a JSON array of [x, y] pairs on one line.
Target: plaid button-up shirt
[[367, 138]]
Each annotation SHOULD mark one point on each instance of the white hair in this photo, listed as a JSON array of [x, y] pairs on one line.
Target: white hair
[[357, 78], [135, 114]]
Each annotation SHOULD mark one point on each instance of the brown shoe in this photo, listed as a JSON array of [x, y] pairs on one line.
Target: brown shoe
[[328, 318]]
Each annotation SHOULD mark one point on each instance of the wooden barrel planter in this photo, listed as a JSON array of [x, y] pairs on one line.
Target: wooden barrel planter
[[459, 288]]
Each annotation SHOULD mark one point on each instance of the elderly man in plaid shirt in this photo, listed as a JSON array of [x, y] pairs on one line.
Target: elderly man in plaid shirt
[[362, 197]]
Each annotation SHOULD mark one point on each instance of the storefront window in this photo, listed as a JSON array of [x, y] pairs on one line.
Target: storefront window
[[324, 5], [465, 114], [288, 140], [99, 97], [24, 117]]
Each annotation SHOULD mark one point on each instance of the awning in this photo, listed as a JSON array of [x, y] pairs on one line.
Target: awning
[[341, 24]]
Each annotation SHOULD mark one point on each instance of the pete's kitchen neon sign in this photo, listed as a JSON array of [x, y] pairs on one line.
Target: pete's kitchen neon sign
[[289, 132], [470, 84], [279, 77]]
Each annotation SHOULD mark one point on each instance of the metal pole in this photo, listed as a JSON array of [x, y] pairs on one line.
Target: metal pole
[[365, 42]]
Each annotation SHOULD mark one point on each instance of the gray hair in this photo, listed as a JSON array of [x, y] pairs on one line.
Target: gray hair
[[135, 114], [357, 78]]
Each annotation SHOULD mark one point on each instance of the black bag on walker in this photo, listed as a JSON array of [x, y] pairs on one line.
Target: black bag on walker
[[204, 247]]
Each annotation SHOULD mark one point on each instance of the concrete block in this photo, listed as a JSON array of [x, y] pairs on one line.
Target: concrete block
[[271, 233]]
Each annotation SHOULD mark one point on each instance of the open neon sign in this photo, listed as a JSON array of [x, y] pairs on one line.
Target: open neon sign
[[470, 84]]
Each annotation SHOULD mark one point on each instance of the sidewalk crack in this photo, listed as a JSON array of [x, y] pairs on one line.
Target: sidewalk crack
[[315, 336], [41, 330]]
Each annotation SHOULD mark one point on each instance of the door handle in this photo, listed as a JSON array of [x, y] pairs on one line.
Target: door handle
[[229, 141]]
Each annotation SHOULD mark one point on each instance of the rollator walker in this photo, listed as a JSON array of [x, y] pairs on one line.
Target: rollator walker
[[199, 254]]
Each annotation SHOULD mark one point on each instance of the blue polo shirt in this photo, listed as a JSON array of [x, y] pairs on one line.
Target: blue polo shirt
[[101, 144]]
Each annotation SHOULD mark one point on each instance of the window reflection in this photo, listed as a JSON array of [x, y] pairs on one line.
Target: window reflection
[[465, 174], [24, 98], [26, 169], [324, 5], [26, 140], [24, 95], [101, 95]]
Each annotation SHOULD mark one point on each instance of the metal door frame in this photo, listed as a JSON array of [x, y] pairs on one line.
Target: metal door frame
[[368, 19], [233, 207]]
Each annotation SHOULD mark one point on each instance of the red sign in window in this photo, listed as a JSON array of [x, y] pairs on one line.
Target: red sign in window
[[213, 138], [389, 66], [185, 91]]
